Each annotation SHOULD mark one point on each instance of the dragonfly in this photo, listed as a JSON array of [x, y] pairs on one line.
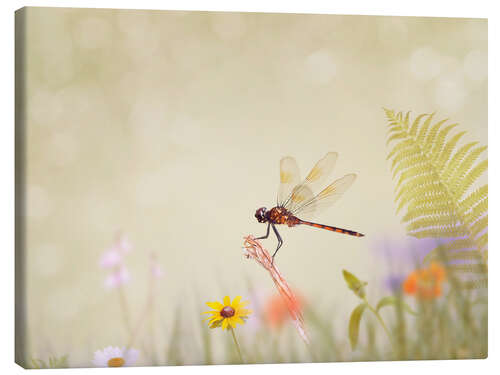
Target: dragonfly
[[297, 201]]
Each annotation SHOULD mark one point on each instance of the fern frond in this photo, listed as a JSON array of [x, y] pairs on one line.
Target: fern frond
[[433, 191], [482, 241], [471, 177], [401, 147], [407, 118], [458, 231], [416, 122], [445, 250], [448, 148], [408, 162], [432, 221], [465, 166], [423, 129], [475, 284], [433, 174], [418, 170], [457, 159], [466, 255], [479, 226], [440, 198], [477, 211], [395, 136], [403, 154], [469, 268], [439, 143], [410, 186], [426, 211], [473, 198], [431, 137]]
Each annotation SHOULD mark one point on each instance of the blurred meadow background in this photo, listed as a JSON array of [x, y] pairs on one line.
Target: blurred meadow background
[[153, 136]]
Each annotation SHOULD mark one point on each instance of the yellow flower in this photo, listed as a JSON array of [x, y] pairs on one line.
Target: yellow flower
[[227, 314]]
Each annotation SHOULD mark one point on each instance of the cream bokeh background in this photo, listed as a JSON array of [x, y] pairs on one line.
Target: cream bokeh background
[[169, 126]]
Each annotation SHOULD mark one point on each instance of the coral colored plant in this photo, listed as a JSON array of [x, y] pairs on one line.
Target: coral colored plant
[[425, 283]]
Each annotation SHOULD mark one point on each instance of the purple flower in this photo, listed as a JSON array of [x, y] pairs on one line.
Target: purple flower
[[401, 257], [408, 251], [394, 282]]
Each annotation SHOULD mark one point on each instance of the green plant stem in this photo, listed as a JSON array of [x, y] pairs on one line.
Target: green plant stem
[[381, 321], [236, 344]]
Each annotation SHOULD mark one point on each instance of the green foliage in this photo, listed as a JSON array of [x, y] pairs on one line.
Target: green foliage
[[354, 321], [396, 302], [353, 283], [433, 177], [54, 362], [357, 287]]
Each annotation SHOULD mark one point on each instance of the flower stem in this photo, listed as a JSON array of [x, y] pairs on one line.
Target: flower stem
[[381, 321], [236, 344], [125, 311], [148, 309]]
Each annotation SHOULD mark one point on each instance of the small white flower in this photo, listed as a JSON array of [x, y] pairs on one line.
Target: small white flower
[[115, 357]]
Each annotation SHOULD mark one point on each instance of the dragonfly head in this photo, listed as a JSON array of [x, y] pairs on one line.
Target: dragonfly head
[[260, 214]]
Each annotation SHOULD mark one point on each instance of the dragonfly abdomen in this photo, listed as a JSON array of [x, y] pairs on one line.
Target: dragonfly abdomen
[[332, 229]]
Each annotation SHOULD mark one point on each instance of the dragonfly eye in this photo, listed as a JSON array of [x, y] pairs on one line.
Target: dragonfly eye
[[260, 214]]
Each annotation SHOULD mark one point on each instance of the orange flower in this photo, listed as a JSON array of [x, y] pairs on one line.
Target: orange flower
[[425, 283], [277, 311]]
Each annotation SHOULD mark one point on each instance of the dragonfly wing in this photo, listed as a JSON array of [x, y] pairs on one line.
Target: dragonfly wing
[[289, 178], [303, 192], [325, 198]]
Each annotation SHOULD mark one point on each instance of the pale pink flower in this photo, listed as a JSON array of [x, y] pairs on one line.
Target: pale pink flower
[[117, 277], [157, 271], [155, 267], [111, 258], [123, 244]]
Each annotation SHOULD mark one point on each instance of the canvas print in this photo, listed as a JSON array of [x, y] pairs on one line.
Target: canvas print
[[206, 188]]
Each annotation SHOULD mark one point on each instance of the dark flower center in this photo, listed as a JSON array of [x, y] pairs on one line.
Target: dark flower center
[[227, 312]]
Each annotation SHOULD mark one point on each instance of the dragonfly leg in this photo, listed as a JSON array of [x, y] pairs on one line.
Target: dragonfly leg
[[267, 233], [280, 242]]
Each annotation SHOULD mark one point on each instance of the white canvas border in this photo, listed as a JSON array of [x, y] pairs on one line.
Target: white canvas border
[[477, 8]]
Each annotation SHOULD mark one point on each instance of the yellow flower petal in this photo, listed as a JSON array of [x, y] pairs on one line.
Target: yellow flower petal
[[236, 302], [243, 312], [232, 322], [237, 319], [215, 319], [215, 305]]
